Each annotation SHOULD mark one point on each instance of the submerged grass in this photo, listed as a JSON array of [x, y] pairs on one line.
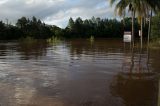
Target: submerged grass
[[155, 43], [54, 40], [28, 40]]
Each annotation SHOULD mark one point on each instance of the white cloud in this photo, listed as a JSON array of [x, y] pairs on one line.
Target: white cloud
[[54, 11]]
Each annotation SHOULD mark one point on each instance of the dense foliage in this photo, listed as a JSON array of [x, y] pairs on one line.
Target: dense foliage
[[34, 28], [78, 28], [25, 28], [9, 32], [98, 28], [94, 27], [155, 29]]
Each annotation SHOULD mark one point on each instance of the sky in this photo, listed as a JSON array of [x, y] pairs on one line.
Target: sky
[[54, 12]]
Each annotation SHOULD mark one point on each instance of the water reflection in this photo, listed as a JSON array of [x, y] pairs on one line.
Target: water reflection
[[76, 73], [32, 48], [136, 84], [2, 50], [136, 92]]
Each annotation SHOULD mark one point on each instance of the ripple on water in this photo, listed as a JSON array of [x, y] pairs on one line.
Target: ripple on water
[[74, 73]]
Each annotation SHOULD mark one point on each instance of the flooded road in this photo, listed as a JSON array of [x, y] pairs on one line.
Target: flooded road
[[78, 73]]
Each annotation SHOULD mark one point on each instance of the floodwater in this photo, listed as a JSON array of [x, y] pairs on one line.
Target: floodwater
[[78, 73]]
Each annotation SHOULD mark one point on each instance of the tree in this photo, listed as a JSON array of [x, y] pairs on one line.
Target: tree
[[155, 6], [22, 22], [155, 33], [121, 8], [70, 23], [79, 26], [95, 27], [140, 7]]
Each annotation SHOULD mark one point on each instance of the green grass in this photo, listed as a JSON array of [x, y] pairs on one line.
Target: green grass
[[155, 43]]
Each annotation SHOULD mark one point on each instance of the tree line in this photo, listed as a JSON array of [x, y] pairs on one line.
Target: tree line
[[25, 28], [96, 27], [78, 28]]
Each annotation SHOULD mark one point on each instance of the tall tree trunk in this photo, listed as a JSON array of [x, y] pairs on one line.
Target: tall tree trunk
[[149, 33], [149, 28], [133, 20], [141, 32]]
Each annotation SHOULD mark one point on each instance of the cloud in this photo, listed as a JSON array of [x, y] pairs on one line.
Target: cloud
[[55, 12]]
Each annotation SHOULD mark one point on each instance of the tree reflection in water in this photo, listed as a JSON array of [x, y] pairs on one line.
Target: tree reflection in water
[[136, 85], [31, 48]]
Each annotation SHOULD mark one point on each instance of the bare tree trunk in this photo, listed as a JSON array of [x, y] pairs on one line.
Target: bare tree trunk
[[133, 18], [149, 28], [149, 34], [141, 32]]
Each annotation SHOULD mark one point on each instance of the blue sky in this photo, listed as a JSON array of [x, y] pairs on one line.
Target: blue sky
[[55, 12]]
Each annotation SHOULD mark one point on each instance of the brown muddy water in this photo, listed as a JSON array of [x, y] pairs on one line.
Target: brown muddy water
[[78, 73]]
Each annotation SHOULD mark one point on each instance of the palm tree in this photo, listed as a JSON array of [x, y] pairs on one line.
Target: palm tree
[[139, 7], [120, 8], [143, 8]]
